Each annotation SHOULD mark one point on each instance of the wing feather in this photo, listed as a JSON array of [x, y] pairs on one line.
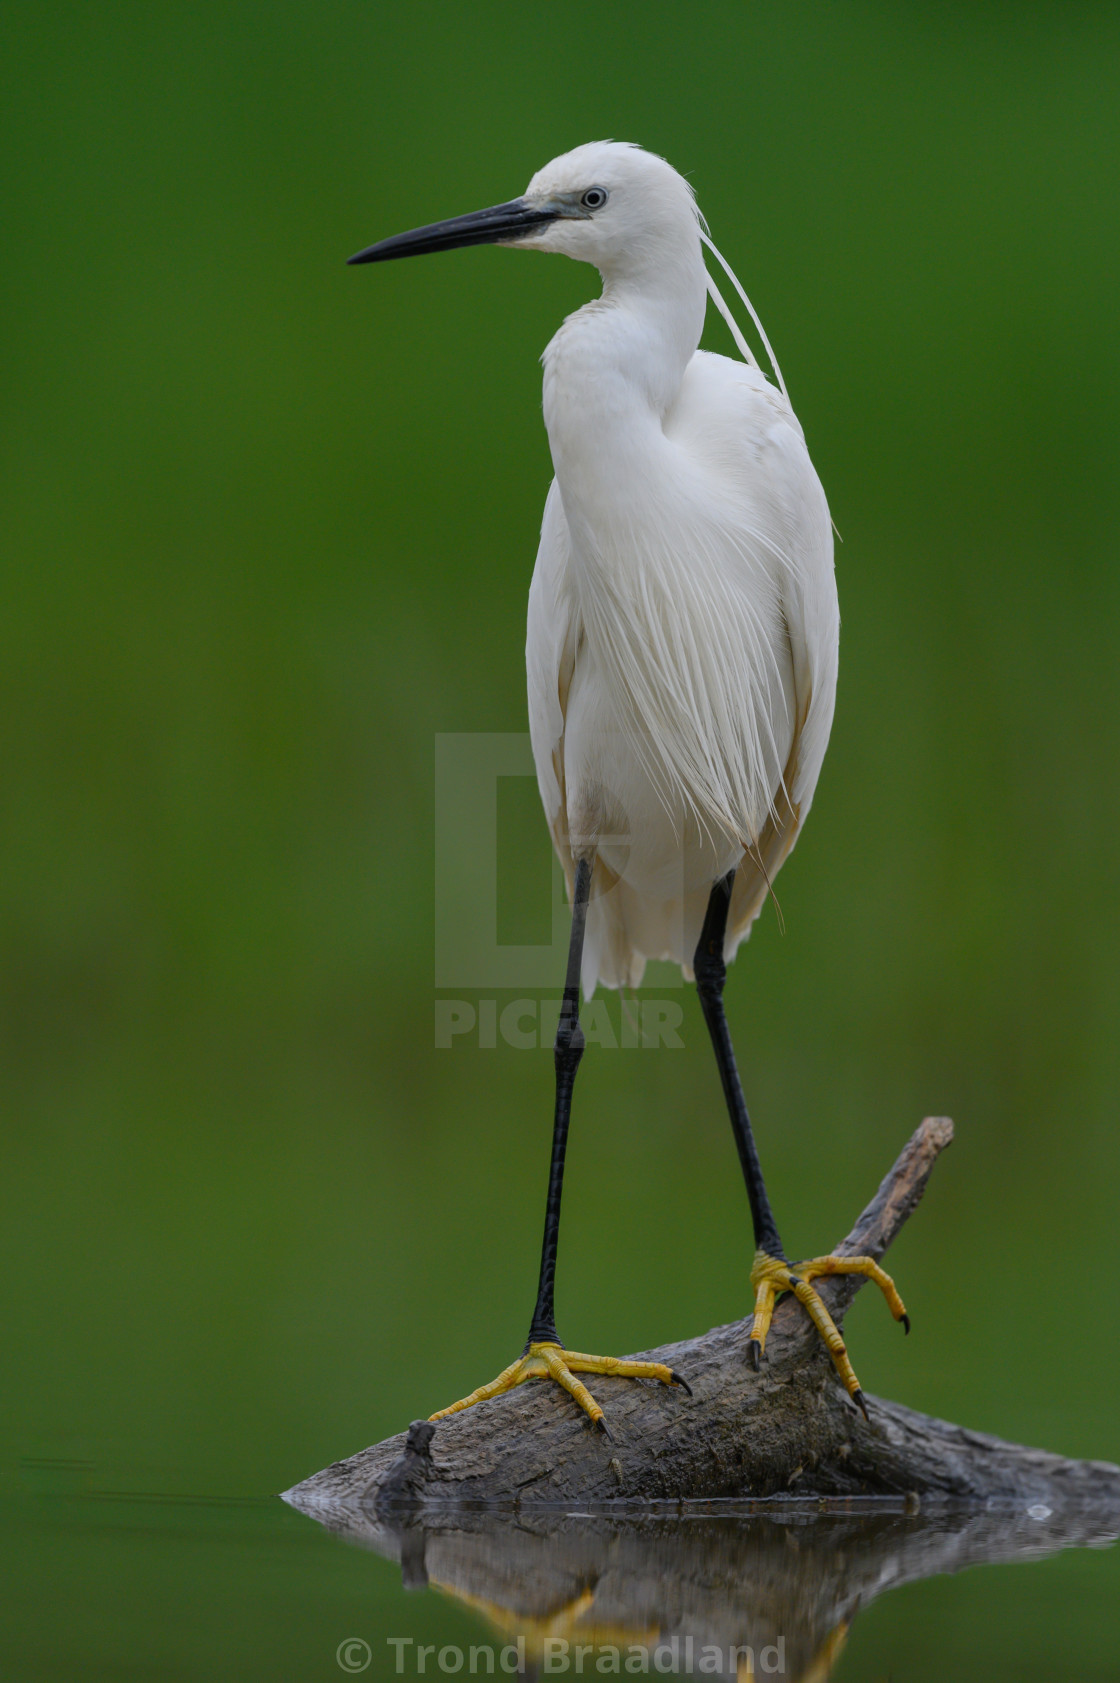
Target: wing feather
[[739, 424], [550, 658]]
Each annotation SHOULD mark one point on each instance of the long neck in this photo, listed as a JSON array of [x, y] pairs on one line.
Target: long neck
[[612, 372]]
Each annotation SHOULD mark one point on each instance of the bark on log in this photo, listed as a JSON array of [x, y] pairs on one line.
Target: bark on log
[[790, 1429]]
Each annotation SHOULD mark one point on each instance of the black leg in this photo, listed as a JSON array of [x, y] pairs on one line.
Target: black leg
[[711, 973], [544, 1357], [568, 1052]]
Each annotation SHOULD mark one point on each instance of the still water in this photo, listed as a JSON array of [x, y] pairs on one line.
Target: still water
[[104, 1583]]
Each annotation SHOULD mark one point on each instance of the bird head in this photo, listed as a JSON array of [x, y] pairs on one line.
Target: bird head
[[606, 203]]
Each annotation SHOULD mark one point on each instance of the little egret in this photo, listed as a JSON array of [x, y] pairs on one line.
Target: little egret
[[681, 652]]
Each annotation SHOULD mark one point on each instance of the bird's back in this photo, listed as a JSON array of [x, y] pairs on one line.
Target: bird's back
[[682, 671]]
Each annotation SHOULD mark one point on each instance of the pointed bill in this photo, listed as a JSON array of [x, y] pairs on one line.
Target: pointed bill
[[494, 226]]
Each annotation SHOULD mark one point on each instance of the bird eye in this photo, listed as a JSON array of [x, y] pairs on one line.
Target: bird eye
[[594, 199]]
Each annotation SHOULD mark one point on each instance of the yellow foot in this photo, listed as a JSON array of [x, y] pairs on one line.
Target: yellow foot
[[552, 1361], [769, 1277]]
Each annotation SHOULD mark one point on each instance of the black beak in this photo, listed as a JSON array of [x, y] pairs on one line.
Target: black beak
[[481, 227]]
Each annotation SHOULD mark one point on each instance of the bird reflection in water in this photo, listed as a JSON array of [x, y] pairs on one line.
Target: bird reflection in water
[[720, 1590]]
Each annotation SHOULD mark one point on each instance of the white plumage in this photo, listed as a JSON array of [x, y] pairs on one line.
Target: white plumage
[[683, 622]]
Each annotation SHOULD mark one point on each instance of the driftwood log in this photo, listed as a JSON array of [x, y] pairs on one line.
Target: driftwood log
[[789, 1430]]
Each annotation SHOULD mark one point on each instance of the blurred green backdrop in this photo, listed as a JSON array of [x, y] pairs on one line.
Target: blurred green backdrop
[[269, 525]]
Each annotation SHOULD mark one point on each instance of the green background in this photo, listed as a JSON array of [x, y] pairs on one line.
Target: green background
[[268, 527]]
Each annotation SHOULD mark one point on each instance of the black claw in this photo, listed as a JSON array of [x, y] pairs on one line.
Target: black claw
[[754, 1354], [858, 1397], [605, 1429], [675, 1379], [906, 1325]]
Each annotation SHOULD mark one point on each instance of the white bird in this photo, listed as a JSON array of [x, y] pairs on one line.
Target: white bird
[[681, 651]]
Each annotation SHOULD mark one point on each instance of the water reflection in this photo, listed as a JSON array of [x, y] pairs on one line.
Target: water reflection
[[724, 1590]]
